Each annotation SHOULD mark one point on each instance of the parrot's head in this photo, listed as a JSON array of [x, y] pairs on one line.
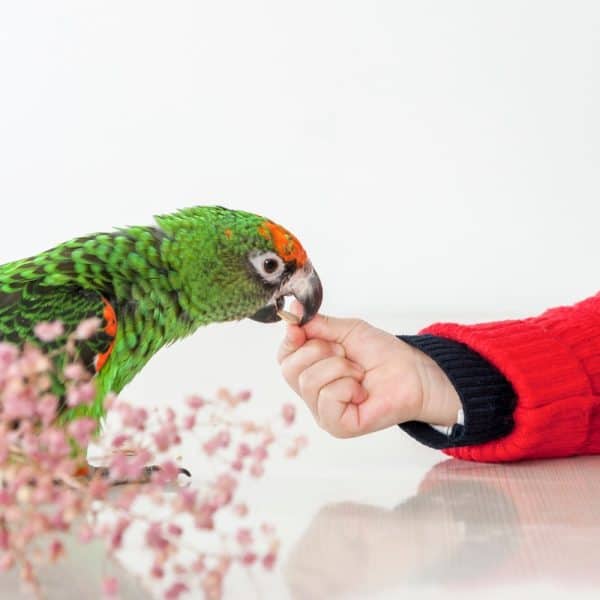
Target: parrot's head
[[232, 264]]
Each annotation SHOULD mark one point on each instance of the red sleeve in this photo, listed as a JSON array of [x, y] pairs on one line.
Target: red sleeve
[[553, 364]]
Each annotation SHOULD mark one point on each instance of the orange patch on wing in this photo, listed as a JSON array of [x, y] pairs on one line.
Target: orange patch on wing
[[110, 317], [286, 245], [102, 358], [228, 233], [110, 329]]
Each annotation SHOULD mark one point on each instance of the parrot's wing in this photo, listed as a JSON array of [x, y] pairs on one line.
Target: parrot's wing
[[21, 310]]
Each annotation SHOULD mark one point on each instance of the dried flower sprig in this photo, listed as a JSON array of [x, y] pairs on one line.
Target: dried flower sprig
[[193, 533]]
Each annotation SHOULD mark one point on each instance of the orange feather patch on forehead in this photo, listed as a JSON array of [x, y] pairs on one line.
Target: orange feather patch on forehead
[[285, 244]]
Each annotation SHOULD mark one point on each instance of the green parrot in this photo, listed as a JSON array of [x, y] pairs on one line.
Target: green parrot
[[153, 285]]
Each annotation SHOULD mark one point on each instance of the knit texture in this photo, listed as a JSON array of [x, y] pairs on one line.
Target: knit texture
[[487, 398], [553, 364]]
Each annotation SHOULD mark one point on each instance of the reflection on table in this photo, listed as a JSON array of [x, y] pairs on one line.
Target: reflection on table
[[469, 525]]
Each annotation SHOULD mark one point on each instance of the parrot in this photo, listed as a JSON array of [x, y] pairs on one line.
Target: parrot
[[150, 286]]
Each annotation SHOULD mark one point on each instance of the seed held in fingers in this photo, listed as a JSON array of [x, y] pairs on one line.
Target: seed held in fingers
[[289, 317]]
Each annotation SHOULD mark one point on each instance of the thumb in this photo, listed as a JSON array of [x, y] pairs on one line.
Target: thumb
[[331, 329]]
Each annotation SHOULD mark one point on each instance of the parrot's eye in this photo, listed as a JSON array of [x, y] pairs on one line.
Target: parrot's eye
[[269, 266]]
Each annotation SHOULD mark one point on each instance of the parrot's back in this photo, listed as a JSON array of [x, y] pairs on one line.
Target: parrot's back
[[102, 276], [26, 301]]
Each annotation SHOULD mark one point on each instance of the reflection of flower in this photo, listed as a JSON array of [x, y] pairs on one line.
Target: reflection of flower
[[47, 490], [468, 525]]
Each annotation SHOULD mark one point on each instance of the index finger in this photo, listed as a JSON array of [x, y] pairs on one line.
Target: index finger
[[331, 329], [294, 338]]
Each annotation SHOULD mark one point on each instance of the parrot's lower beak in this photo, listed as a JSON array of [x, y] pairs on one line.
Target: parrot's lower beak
[[305, 286]]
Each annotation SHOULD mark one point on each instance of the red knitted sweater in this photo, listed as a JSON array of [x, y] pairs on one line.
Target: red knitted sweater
[[553, 364]]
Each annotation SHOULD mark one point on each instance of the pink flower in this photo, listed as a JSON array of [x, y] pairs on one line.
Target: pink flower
[[86, 533], [110, 587], [186, 500], [223, 438], [203, 517], [86, 329], [157, 572], [226, 482], [176, 590], [189, 422], [167, 473], [17, 406], [267, 529], [245, 395], [268, 560], [3, 451], [48, 331], [198, 565], [166, 437], [82, 429], [8, 355], [244, 450], [260, 453], [244, 537], [155, 538], [33, 361], [75, 372], [195, 402], [134, 418], [45, 494], [288, 412], [129, 467], [56, 550], [56, 443], [46, 408], [257, 470], [241, 509], [248, 558], [82, 393], [119, 530], [211, 446], [213, 585], [162, 439], [98, 488], [7, 560], [301, 441], [119, 440]]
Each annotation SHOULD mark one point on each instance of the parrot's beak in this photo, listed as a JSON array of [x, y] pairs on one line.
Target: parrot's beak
[[305, 286]]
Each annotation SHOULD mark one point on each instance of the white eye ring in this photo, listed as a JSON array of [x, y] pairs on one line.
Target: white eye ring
[[261, 261]]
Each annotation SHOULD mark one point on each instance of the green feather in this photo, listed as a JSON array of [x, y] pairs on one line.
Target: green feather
[[163, 282]]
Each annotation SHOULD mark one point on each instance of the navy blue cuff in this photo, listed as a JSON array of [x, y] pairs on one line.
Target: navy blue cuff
[[488, 399]]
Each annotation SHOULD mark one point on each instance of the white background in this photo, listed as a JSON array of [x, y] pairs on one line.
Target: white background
[[435, 158], [439, 160]]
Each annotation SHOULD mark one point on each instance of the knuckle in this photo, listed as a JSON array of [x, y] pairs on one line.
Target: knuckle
[[317, 348], [288, 372], [304, 380], [327, 394]]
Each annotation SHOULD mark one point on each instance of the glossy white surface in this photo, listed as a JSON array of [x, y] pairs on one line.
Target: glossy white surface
[[379, 516]]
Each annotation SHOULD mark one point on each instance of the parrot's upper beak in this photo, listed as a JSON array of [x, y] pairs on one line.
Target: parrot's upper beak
[[305, 286]]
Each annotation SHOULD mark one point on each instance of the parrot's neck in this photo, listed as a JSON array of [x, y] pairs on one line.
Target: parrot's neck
[[151, 308]]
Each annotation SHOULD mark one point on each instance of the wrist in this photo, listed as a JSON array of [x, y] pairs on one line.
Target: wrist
[[440, 402]]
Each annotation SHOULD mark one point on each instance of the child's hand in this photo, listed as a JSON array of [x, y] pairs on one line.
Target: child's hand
[[356, 378]]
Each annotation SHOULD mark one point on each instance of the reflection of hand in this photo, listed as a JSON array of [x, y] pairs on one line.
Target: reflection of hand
[[331, 559], [468, 525], [356, 378], [360, 549]]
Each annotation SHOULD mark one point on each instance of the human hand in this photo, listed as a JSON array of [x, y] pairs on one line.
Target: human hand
[[356, 378]]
